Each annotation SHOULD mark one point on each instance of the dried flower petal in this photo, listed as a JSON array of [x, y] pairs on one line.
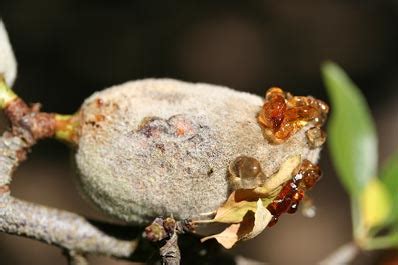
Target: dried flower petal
[[242, 201], [226, 238], [261, 219], [253, 223]]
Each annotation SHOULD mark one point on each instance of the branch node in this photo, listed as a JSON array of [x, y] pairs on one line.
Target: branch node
[[165, 231], [75, 258]]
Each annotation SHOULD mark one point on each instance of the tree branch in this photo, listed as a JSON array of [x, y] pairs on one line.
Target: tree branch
[[56, 227], [75, 234], [75, 258], [345, 254], [60, 228]]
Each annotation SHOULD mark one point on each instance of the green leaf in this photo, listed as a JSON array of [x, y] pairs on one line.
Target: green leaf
[[352, 134], [389, 175]]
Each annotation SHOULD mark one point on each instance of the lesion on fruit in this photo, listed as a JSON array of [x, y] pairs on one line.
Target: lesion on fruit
[[178, 125], [283, 114]]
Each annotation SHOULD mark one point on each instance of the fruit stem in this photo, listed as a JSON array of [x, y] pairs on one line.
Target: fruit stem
[[6, 93], [67, 128]]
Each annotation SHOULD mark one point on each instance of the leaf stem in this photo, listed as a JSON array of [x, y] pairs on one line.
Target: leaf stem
[[381, 242]]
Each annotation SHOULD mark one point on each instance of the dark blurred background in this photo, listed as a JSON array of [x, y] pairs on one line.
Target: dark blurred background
[[68, 49]]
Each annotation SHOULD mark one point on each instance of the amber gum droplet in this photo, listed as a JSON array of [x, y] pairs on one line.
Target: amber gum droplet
[[246, 173], [283, 114], [316, 137], [308, 208], [293, 191]]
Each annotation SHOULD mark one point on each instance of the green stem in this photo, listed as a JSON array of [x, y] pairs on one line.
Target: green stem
[[67, 128], [359, 231], [6, 93], [382, 242]]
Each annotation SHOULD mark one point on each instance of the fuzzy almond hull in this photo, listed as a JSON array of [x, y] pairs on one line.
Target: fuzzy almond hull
[[162, 147]]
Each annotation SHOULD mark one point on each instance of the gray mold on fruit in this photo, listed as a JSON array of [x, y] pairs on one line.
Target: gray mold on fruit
[[160, 147]]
